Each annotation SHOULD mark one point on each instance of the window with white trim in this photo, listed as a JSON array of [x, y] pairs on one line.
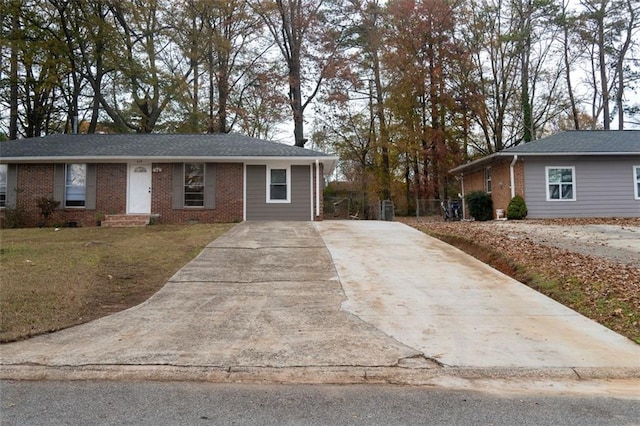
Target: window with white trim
[[487, 179], [636, 180], [194, 185], [278, 188], [3, 185], [561, 183], [75, 188]]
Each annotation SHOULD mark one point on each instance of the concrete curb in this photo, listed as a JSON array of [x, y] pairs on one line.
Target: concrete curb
[[310, 374]]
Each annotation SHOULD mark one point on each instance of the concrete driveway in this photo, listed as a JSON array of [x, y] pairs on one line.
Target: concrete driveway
[[331, 302], [459, 311]]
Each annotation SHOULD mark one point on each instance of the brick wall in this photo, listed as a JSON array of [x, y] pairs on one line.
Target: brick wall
[[501, 182], [501, 193], [111, 189], [34, 181], [37, 180], [228, 188]]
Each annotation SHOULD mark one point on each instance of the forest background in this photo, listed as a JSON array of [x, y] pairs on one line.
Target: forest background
[[401, 90]]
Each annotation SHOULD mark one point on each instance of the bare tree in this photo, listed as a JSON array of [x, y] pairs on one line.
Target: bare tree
[[628, 35], [609, 29], [310, 45]]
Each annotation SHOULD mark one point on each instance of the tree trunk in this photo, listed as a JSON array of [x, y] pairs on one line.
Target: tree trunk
[[631, 25], [13, 80], [604, 83], [295, 98], [211, 128], [567, 69], [195, 124], [384, 133], [223, 98]]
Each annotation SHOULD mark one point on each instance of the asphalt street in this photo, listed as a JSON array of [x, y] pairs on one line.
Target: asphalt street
[[166, 403]]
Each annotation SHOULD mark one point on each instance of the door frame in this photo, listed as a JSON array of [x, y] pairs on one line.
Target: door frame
[[130, 167]]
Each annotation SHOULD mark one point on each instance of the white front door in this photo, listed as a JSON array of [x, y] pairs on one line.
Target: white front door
[[139, 189]]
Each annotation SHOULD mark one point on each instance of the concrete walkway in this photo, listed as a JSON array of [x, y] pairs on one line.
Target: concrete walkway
[[331, 302]]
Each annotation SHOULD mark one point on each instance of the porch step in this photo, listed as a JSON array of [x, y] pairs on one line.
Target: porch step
[[126, 220]]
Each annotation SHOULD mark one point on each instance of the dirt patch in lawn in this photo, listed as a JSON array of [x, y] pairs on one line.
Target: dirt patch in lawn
[[592, 266], [56, 279]]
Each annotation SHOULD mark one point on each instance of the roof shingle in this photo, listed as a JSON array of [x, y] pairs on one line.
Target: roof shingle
[[574, 142], [150, 146], [583, 142]]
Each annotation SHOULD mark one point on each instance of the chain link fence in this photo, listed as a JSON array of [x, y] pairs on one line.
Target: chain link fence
[[428, 207], [352, 208]]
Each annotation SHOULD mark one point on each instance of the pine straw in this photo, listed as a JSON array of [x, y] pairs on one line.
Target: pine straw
[[603, 289]]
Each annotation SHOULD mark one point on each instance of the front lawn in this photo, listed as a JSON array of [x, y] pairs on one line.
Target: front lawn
[[56, 279]]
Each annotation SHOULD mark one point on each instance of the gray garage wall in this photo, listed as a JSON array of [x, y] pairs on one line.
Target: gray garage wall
[[257, 207], [603, 187]]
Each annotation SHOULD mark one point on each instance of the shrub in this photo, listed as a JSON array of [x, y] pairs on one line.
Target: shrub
[[14, 218], [47, 207], [517, 208], [480, 205]]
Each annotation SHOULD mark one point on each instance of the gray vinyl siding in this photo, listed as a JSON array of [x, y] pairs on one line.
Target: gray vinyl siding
[[603, 187], [257, 207]]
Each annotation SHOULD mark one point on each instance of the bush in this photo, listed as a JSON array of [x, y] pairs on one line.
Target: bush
[[517, 208], [480, 205], [14, 218], [47, 207]]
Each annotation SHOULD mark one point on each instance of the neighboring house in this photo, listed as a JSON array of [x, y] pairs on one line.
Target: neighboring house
[[173, 178], [571, 174]]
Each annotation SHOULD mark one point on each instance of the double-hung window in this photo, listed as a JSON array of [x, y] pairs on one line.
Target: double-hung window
[[194, 185], [3, 185], [487, 178], [278, 188], [75, 190], [636, 180], [561, 184]]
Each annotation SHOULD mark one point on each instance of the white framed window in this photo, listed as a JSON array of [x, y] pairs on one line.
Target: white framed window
[[194, 185], [561, 183], [3, 185], [636, 181], [278, 184], [487, 179], [75, 188]]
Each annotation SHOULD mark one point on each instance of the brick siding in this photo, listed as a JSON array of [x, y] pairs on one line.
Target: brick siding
[[34, 181], [37, 180], [111, 189], [500, 182], [229, 198]]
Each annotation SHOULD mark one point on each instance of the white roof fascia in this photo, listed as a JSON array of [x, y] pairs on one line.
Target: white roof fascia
[[105, 159], [330, 162]]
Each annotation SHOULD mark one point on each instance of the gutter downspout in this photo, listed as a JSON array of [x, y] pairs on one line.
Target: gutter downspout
[[317, 188], [462, 189], [512, 176]]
